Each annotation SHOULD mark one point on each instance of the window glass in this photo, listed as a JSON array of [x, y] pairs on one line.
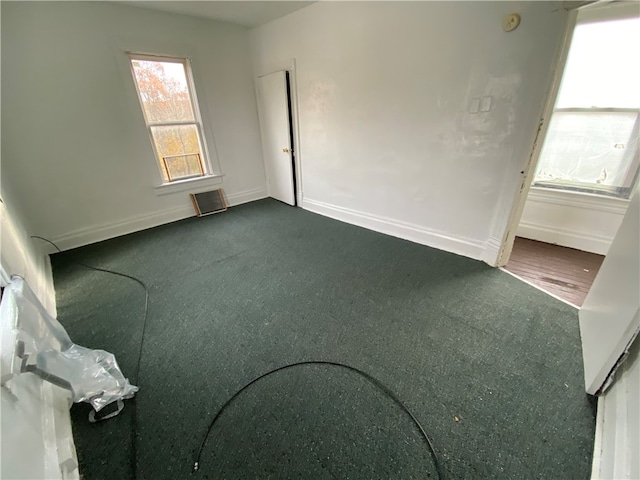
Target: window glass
[[171, 115], [178, 147], [587, 148], [602, 68]]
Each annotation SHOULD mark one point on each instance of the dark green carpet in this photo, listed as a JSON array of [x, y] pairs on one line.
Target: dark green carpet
[[236, 294]]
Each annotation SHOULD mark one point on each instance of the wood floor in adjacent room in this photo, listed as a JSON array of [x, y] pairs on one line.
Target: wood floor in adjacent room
[[565, 272]]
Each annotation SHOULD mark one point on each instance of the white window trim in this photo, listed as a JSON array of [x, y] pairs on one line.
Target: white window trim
[[208, 166], [189, 184]]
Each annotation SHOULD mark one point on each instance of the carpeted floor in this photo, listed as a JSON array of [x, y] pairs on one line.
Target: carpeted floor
[[490, 366]]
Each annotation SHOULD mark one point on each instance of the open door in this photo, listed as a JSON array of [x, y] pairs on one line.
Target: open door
[[275, 130], [610, 315]]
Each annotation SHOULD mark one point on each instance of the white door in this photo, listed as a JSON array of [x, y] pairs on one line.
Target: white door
[[273, 111], [610, 315]]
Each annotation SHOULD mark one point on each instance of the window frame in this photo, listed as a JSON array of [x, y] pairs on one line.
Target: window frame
[[596, 15], [205, 158]]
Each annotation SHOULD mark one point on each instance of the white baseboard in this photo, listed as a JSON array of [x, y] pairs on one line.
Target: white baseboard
[[578, 200], [98, 233], [589, 242], [247, 196], [396, 228], [491, 252]]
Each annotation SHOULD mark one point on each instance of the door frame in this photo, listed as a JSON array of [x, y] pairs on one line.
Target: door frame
[[528, 170], [289, 66]]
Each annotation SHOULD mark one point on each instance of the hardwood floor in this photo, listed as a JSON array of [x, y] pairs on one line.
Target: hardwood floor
[[563, 271]]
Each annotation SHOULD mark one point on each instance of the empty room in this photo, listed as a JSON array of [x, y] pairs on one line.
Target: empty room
[[273, 239]]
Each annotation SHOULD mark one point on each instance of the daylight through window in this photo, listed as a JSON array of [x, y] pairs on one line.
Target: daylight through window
[[592, 141], [167, 98]]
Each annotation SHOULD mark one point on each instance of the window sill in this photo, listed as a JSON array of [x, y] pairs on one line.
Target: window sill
[[189, 184]]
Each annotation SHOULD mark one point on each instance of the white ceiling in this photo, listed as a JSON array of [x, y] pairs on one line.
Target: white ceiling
[[246, 13]]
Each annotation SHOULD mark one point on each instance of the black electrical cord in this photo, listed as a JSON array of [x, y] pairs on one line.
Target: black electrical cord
[[367, 376], [134, 415], [374, 381]]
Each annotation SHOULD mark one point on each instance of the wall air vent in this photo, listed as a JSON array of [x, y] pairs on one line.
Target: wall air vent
[[207, 203]]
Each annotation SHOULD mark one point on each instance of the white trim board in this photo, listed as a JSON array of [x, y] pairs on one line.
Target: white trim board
[[587, 201], [591, 242], [98, 233], [396, 228], [491, 253]]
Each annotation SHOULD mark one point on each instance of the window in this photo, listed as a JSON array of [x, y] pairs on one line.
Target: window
[[166, 93], [592, 141]]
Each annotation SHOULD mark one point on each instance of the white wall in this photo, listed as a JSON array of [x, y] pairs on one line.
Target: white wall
[[19, 254], [572, 219], [384, 89], [75, 146], [35, 427]]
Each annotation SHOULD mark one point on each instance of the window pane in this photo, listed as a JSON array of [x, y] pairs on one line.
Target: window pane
[[602, 68], [181, 148], [183, 166], [587, 147], [163, 91]]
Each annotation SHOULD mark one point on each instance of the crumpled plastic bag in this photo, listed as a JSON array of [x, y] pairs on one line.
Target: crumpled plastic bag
[[43, 347]]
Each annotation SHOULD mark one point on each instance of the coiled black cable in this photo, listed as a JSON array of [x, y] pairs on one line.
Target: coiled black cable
[[134, 430], [377, 383]]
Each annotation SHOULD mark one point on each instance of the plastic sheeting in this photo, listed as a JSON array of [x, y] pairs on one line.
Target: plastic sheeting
[[42, 346], [593, 148]]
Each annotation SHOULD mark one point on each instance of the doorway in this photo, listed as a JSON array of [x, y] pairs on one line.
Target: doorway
[[566, 273], [279, 145], [587, 163]]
